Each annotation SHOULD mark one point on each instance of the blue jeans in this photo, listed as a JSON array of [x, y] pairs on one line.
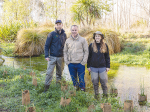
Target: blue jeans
[[79, 69]]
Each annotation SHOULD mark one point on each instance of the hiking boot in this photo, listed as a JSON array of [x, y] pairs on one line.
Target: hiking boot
[[46, 88], [76, 88]]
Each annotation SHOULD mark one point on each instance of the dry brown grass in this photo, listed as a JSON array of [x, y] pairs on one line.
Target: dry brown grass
[[111, 38], [30, 42]]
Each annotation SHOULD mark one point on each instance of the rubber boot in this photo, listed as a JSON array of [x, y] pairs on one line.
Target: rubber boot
[[96, 92], [105, 95]]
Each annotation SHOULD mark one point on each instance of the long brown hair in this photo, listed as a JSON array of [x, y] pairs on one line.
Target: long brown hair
[[103, 48]]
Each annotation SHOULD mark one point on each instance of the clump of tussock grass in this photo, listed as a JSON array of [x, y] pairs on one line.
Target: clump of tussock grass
[[111, 38], [44, 31], [29, 42]]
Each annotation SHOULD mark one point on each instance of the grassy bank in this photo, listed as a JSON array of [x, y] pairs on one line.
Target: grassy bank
[[135, 50], [11, 86], [7, 48]]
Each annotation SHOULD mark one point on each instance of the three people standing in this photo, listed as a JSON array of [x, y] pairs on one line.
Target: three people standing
[[75, 52]]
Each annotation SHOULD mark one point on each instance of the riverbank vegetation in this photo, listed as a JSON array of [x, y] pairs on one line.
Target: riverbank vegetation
[[14, 81], [135, 50]]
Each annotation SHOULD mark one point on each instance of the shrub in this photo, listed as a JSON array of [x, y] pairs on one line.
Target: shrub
[[9, 31], [30, 42]]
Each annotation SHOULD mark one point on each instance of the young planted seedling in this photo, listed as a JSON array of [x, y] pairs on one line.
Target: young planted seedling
[[31, 109], [106, 107], [128, 105], [65, 100], [25, 97], [142, 97], [113, 90], [64, 86]]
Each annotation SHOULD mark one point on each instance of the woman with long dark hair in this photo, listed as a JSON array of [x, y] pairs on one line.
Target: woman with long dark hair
[[98, 63]]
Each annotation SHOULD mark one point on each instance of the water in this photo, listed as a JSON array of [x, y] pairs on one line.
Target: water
[[37, 63], [127, 80], [128, 83]]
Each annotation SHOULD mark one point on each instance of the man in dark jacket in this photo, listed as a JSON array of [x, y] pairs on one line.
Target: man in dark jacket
[[54, 47]]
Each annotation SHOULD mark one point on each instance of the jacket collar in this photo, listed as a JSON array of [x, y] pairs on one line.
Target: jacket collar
[[62, 31], [77, 38]]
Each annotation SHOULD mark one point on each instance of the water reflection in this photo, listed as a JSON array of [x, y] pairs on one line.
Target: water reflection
[[37, 63], [128, 82]]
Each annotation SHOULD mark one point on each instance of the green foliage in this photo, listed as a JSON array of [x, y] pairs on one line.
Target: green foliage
[[89, 10], [139, 23], [142, 87], [8, 48], [11, 86], [135, 51], [9, 31], [133, 47], [1, 59], [17, 10], [53, 9]]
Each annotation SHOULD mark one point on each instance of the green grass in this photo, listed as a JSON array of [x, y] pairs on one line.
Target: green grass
[[135, 51], [7, 48], [11, 86], [113, 69]]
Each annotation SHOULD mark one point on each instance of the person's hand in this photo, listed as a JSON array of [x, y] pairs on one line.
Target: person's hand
[[89, 69], [47, 59], [107, 69]]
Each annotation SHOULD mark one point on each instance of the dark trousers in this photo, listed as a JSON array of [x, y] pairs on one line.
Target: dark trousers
[[77, 69]]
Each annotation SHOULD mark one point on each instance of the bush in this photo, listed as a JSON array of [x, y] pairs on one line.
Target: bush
[[133, 47], [30, 42], [9, 31], [8, 48]]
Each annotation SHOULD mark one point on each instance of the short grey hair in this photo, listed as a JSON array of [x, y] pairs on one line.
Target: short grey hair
[[73, 26]]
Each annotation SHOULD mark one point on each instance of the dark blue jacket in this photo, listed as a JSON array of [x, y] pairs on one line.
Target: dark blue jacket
[[54, 44], [98, 60]]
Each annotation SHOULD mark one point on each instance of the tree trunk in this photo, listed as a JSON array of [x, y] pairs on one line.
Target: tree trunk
[[56, 10], [117, 15], [87, 18], [129, 15]]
